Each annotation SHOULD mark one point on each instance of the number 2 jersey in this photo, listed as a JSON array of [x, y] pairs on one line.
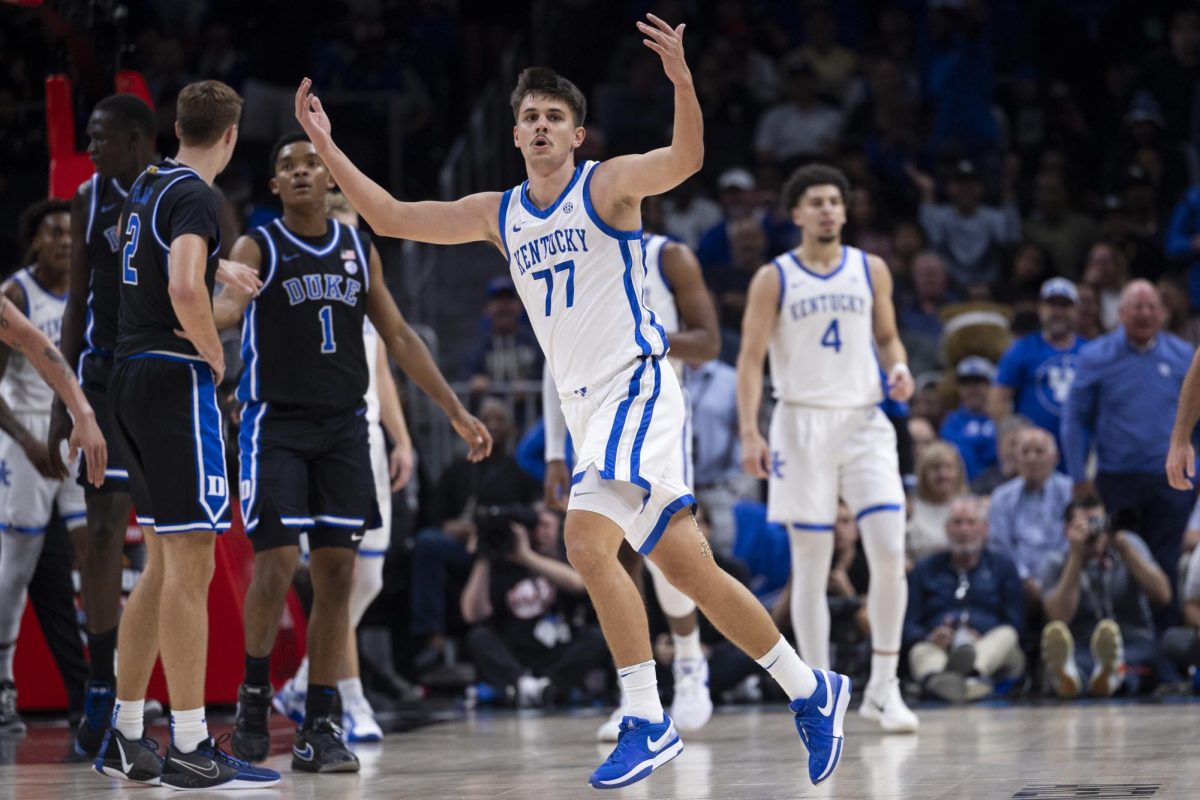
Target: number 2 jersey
[[302, 337], [582, 284], [822, 351]]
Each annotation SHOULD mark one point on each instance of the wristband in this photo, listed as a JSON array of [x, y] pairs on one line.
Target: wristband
[[900, 368]]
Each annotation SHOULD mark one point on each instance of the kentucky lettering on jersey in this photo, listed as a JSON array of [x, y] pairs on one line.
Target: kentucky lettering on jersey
[[102, 244], [302, 336], [822, 351], [23, 387], [581, 282]]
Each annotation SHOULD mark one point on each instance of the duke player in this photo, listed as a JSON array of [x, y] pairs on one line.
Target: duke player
[[305, 457], [163, 403], [571, 235], [31, 483], [121, 131], [824, 313], [674, 290]]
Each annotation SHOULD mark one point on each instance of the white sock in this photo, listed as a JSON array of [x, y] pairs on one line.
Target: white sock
[[883, 542], [812, 555], [624, 701], [129, 717], [350, 689], [188, 729], [687, 645], [641, 691], [794, 676]]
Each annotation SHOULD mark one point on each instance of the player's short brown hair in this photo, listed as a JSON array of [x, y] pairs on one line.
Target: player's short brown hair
[[812, 175], [204, 110], [547, 82]]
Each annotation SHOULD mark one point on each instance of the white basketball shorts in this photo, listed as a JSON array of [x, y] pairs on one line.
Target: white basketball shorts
[[26, 498]]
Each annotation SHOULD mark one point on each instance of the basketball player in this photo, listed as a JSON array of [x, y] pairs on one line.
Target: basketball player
[[571, 235], [305, 456], [391, 472], [824, 312], [162, 392], [31, 483], [121, 131], [674, 290]]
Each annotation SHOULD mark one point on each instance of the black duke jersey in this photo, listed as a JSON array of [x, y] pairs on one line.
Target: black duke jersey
[[302, 340], [102, 243], [167, 201]]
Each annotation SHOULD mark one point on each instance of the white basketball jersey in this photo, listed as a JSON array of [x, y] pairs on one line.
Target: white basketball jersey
[[581, 282], [370, 342], [657, 293], [822, 352], [23, 388]]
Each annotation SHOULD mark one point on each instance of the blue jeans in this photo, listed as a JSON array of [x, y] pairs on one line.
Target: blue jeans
[[437, 559]]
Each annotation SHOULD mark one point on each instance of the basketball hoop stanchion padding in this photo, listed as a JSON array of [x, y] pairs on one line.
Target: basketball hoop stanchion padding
[[40, 686], [68, 166]]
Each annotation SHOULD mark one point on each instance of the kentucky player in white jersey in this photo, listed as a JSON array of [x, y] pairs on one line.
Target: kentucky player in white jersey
[[673, 288], [571, 235], [823, 312]]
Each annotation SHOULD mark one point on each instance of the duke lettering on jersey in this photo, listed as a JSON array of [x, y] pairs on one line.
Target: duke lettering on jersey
[[302, 337], [581, 282], [102, 244]]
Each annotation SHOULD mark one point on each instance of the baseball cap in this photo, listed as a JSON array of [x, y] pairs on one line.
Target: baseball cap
[[736, 178], [1059, 287], [501, 286], [975, 368]]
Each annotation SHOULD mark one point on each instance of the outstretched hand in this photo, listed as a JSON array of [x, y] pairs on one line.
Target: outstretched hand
[[668, 43], [312, 116]]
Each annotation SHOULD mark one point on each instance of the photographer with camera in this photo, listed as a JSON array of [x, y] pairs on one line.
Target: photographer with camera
[[1100, 592], [522, 600]]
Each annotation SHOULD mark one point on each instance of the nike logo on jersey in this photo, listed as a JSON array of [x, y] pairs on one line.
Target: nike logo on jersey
[[291, 256], [516, 228], [108, 208], [212, 771], [654, 745], [304, 755], [827, 708]]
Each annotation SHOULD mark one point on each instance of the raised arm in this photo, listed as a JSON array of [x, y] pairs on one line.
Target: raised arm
[[18, 332], [410, 353], [620, 183], [700, 336], [762, 312], [474, 218], [230, 304], [887, 339]]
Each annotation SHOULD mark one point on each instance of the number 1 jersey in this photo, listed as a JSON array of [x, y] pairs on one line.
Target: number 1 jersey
[[581, 281], [822, 351], [302, 337]]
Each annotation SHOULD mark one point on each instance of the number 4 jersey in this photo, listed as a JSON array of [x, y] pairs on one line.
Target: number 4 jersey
[[302, 337], [822, 352], [581, 283]]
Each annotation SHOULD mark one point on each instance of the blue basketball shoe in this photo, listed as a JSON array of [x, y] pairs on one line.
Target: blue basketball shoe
[[97, 712], [642, 747], [819, 719]]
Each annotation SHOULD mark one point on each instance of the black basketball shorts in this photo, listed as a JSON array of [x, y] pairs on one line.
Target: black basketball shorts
[[94, 376]]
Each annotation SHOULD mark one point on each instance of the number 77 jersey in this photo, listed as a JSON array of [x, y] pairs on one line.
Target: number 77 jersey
[[581, 282], [302, 341], [822, 351]]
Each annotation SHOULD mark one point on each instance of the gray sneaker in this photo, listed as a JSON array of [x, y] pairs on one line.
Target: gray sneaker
[[11, 723]]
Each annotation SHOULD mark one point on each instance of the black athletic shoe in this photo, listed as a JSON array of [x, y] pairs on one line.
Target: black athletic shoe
[[97, 713], [210, 767], [129, 760], [320, 748], [11, 723], [251, 737]]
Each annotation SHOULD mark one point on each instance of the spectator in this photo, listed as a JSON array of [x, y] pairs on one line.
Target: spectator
[[1036, 373], [719, 480], [1099, 591], [687, 213], [965, 612], [1008, 436], [518, 600], [1107, 272], [1124, 398], [440, 554], [1057, 228], [969, 428], [833, 64], [740, 200], [968, 234], [1183, 241], [1022, 283], [918, 314], [1181, 645], [506, 349], [940, 479], [802, 127], [1026, 513], [1171, 75], [1140, 227], [1090, 326]]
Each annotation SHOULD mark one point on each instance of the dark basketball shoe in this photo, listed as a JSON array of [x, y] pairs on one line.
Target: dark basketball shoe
[[11, 723], [320, 748], [251, 737], [97, 713], [128, 760], [210, 767]]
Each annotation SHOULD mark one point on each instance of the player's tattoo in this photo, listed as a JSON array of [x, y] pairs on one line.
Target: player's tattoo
[[54, 357], [4, 304], [705, 547]]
